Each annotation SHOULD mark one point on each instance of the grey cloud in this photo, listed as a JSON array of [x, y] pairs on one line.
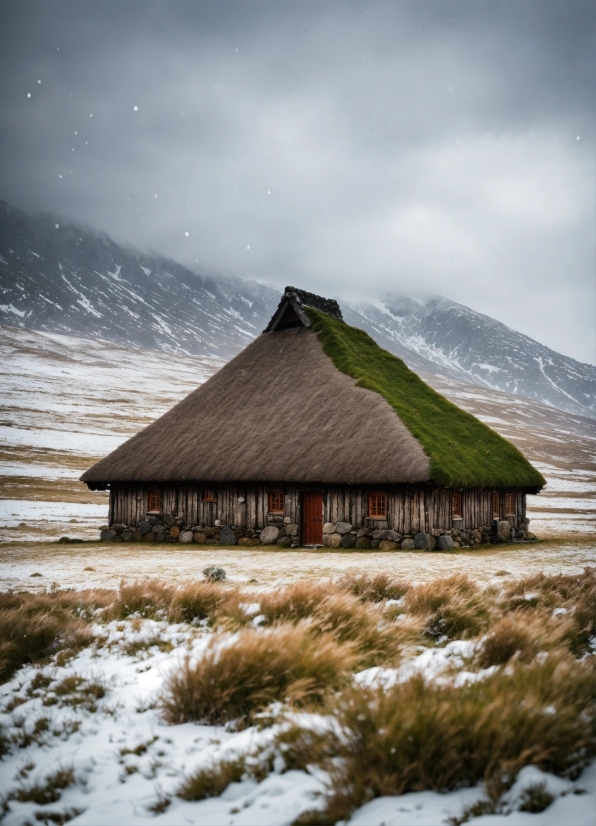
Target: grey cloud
[[417, 146]]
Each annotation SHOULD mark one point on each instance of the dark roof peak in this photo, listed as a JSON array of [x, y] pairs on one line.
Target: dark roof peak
[[304, 298], [290, 312]]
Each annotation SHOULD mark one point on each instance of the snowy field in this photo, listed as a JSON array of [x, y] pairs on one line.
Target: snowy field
[[67, 402]]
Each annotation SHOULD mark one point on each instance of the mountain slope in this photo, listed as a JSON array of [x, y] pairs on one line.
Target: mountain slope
[[58, 277]]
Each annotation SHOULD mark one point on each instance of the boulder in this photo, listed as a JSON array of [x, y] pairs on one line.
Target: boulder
[[328, 527], [149, 537], [118, 527], [210, 532], [214, 573], [175, 531], [137, 535], [292, 529], [377, 534], [199, 536], [238, 532], [169, 520], [348, 540], [127, 535], [503, 530], [227, 537], [424, 541], [284, 542], [364, 532], [342, 528], [375, 543], [444, 543], [392, 536], [159, 528], [144, 527], [249, 541], [387, 545], [332, 540], [407, 544], [107, 535], [269, 535], [250, 532], [185, 537], [363, 543]]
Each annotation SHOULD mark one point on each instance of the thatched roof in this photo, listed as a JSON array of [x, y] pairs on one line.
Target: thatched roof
[[295, 407]]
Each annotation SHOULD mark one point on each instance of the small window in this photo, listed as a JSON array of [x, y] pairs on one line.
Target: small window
[[377, 505], [456, 504], [276, 501], [509, 504], [209, 495], [154, 500], [496, 504]]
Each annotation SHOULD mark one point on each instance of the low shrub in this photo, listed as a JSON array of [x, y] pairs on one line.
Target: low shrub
[[517, 635], [212, 781], [454, 608], [239, 677]]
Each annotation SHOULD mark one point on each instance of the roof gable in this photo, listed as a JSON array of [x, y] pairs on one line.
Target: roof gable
[[290, 312]]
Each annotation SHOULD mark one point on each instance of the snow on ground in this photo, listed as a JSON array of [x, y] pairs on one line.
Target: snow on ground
[[125, 758]]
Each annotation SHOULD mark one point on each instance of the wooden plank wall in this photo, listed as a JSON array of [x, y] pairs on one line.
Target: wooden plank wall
[[409, 509]]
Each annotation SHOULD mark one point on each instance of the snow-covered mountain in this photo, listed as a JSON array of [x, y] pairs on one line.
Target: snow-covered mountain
[[58, 277], [62, 278]]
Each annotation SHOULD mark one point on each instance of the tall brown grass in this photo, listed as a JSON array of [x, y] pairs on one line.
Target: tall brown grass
[[453, 608], [234, 680], [420, 735]]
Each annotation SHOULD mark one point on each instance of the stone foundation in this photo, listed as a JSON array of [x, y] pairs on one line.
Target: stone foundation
[[286, 535]]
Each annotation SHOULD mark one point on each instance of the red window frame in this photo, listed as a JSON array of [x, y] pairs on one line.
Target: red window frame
[[377, 505], [496, 504], [276, 500], [154, 500], [209, 495], [510, 504], [456, 503]]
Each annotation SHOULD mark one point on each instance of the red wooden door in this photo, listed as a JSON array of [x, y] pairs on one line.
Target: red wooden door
[[312, 518]]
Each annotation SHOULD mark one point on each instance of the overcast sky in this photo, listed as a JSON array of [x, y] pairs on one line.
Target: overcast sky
[[354, 149]]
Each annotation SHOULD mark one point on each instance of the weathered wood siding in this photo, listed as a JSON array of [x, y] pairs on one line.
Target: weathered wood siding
[[410, 508]]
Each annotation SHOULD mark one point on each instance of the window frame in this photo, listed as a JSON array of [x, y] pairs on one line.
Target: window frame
[[208, 495], [271, 496], [377, 505], [510, 498], [496, 497], [154, 494], [457, 512]]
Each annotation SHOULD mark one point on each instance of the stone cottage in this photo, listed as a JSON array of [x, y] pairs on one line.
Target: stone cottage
[[314, 435]]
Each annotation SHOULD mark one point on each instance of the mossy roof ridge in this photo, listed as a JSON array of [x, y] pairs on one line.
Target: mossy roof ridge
[[463, 451]]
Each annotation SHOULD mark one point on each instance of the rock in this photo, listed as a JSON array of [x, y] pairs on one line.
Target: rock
[[144, 527], [407, 544], [387, 545], [364, 532], [269, 535], [137, 535], [332, 540], [175, 531], [444, 543], [228, 537], [199, 536], [214, 573], [152, 520], [392, 536], [424, 541], [249, 541], [377, 534], [249, 532], [238, 532], [292, 529], [107, 535], [328, 527], [185, 537], [149, 537], [348, 540], [210, 532], [282, 532], [503, 530], [169, 520], [284, 542], [375, 543], [343, 527], [363, 543], [118, 527], [179, 520], [158, 528], [127, 535]]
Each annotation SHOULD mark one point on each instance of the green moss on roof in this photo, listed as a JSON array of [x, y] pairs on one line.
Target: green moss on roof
[[463, 451]]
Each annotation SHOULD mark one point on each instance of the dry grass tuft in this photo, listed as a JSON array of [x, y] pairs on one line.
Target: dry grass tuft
[[517, 635], [454, 608], [213, 781], [234, 680], [295, 602], [373, 587], [421, 735]]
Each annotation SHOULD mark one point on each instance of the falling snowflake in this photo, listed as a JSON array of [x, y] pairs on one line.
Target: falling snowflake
[[577, 138], [135, 108], [59, 176], [39, 81], [186, 233], [91, 115], [268, 192], [28, 94], [57, 226], [248, 246]]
